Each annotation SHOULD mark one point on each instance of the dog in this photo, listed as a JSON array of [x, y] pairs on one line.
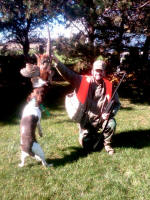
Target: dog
[[30, 120]]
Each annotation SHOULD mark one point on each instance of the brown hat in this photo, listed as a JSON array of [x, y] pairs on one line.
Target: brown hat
[[30, 71]]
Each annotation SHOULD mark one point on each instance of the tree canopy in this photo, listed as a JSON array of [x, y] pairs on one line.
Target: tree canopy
[[105, 31], [107, 24], [20, 18], [102, 24]]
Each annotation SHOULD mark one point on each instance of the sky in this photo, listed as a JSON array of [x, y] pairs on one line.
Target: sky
[[57, 30]]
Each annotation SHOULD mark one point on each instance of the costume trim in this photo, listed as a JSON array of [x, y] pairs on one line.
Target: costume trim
[[84, 87]]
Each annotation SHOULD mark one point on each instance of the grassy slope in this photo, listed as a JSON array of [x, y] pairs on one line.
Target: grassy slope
[[75, 174]]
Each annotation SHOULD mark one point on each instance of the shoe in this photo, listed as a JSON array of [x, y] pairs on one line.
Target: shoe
[[109, 150]]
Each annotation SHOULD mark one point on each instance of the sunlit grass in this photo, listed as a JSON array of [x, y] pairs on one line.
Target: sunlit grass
[[76, 175]]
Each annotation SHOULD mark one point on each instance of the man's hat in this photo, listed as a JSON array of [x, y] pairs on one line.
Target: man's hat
[[30, 71], [99, 64]]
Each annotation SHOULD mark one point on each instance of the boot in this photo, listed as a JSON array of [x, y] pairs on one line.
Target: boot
[[109, 149]]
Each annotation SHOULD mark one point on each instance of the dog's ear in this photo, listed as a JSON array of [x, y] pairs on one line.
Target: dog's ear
[[30, 96]]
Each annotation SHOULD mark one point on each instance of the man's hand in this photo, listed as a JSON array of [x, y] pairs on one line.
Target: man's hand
[[105, 116], [55, 58]]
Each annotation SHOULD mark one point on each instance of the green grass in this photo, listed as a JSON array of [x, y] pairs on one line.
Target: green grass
[[76, 175]]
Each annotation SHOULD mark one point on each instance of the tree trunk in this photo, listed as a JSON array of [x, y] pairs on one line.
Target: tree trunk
[[26, 48], [146, 49]]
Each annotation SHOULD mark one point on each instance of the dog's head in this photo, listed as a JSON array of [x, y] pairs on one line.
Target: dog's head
[[38, 93]]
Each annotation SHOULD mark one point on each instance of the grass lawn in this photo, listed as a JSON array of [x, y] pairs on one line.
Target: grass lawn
[[76, 175]]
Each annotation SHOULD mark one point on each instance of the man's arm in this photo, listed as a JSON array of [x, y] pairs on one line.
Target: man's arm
[[112, 108], [69, 75]]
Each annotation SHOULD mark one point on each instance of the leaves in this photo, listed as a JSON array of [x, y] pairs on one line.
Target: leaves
[[19, 18]]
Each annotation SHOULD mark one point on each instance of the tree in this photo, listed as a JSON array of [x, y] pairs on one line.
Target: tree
[[109, 25], [20, 18], [104, 24]]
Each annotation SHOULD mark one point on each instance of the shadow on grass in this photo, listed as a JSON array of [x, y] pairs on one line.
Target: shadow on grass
[[126, 108], [63, 121], [75, 154], [137, 95], [132, 139]]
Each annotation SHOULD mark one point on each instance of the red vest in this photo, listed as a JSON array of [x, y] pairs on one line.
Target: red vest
[[84, 87]]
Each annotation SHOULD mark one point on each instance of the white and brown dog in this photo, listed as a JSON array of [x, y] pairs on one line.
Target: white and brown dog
[[30, 120]]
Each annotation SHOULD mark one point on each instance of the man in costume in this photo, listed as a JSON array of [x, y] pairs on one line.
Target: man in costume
[[94, 92]]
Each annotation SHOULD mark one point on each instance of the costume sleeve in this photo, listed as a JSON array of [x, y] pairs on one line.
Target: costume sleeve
[[69, 75]]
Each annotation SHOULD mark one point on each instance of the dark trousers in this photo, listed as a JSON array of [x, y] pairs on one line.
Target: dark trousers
[[89, 135]]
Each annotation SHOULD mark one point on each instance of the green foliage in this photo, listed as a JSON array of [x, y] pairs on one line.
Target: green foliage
[[20, 18], [110, 25], [75, 174], [102, 24], [6, 52]]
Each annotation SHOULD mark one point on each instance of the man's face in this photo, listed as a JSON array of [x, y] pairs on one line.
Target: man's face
[[98, 74]]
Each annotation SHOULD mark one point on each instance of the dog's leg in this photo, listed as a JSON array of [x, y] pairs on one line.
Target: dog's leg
[[39, 129], [39, 154], [23, 156]]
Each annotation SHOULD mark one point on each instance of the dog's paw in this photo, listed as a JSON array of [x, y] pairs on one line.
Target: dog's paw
[[20, 165]]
